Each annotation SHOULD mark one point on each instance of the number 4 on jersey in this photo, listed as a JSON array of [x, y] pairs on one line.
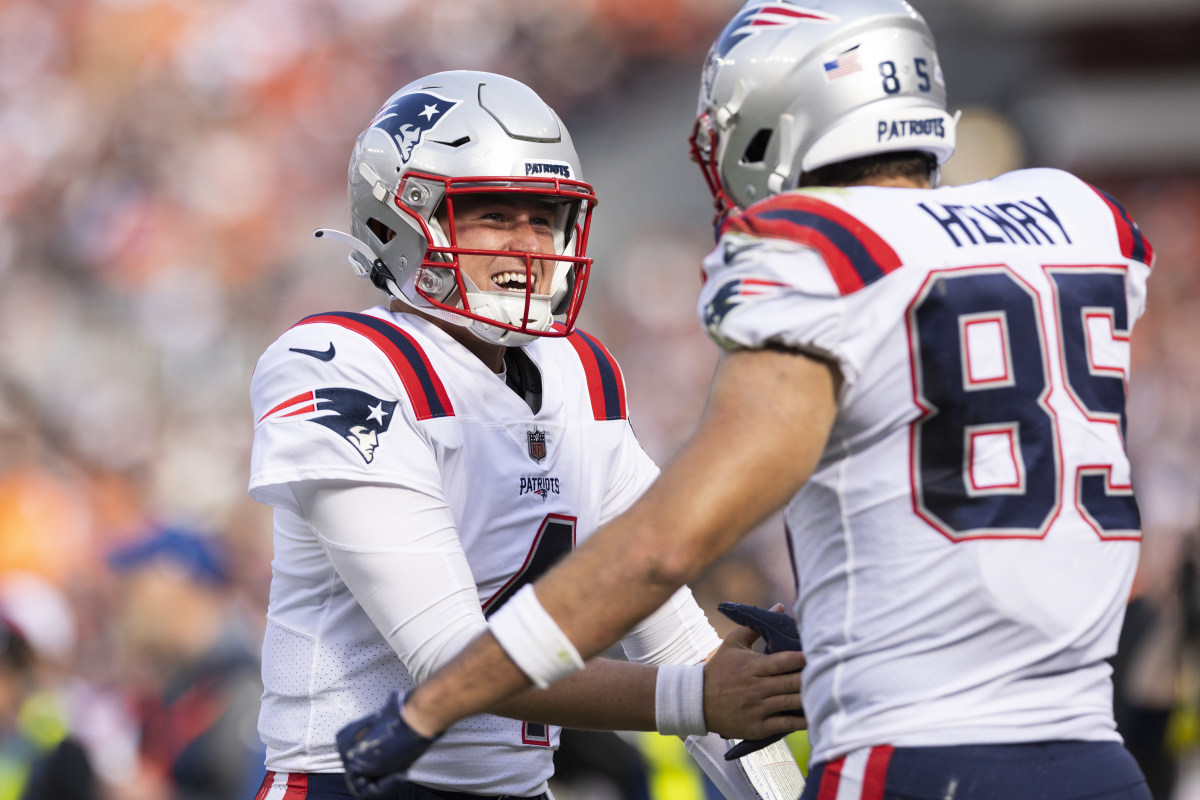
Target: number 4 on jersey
[[554, 539]]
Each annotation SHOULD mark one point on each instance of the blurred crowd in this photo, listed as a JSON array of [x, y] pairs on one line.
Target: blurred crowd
[[162, 166]]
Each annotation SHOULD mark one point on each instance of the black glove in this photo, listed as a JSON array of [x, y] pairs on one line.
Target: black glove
[[779, 632], [377, 749]]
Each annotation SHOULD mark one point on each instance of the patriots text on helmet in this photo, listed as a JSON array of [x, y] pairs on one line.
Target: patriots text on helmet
[[900, 128], [544, 168]]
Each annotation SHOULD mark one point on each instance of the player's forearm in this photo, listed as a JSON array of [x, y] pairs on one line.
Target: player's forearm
[[606, 695], [597, 600], [480, 677], [477, 679]]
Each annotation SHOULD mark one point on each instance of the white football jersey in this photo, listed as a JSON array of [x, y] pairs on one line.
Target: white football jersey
[[389, 398], [967, 542]]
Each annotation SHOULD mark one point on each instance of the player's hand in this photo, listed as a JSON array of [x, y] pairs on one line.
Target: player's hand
[[378, 749], [749, 695], [779, 633]]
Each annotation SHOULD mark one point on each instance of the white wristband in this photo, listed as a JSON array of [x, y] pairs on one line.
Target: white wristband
[[533, 640], [679, 700]]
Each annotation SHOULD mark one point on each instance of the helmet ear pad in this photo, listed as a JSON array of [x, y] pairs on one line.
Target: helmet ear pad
[[378, 271]]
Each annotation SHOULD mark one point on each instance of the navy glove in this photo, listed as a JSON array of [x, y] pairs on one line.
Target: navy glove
[[377, 749], [779, 632]]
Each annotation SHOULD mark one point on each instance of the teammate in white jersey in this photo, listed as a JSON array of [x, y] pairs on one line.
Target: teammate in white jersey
[[428, 458], [932, 383]]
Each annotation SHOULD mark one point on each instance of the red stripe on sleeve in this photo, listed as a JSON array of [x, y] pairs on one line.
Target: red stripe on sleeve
[[592, 371], [404, 368], [840, 267], [616, 372], [881, 251], [1124, 232], [304, 397], [1128, 238], [844, 274]]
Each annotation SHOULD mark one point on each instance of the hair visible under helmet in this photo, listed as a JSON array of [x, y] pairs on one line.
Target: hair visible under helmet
[[448, 135], [789, 87]]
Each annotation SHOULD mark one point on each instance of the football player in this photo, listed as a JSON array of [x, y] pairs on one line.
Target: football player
[[932, 383], [428, 458]]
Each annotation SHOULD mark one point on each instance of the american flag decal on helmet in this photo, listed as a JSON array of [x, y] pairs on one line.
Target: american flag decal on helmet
[[755, 19], [838, 64]]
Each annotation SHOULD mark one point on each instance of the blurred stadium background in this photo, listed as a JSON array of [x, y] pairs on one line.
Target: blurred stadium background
[[164, 162]]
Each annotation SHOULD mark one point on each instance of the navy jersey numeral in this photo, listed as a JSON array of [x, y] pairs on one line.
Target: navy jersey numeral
[[554, 539], [1088, 297], [987, 449]]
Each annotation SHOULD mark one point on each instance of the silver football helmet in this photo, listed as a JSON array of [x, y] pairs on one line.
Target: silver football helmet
[[793, 85], [445, 136]]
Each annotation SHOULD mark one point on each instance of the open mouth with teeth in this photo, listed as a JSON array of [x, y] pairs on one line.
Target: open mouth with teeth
[[513, 281]]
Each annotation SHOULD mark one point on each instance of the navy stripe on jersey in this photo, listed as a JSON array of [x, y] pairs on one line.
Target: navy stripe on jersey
[[606, 387], [1133, 243], [609, 382], [425, 389], [856, 253], [853, 253]]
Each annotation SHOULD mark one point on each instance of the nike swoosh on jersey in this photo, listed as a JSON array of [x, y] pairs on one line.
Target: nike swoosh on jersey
[[323, 355]]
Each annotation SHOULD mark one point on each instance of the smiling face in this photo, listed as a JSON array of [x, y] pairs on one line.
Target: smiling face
[[505, 223]]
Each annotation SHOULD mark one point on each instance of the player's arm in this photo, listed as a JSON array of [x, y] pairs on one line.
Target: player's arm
[[769, 414], [399, 553], [746, 694]]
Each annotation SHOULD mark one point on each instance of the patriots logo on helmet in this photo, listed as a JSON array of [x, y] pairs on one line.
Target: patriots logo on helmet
[[409, 117], [358, 417], [756, 18]]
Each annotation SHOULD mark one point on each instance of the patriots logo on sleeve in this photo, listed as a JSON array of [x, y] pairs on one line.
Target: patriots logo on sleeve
[[730, 296], [358, 417], [409, 117]]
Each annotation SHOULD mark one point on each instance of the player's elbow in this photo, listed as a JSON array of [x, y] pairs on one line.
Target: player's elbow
[[669, 565], [669, 553]]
